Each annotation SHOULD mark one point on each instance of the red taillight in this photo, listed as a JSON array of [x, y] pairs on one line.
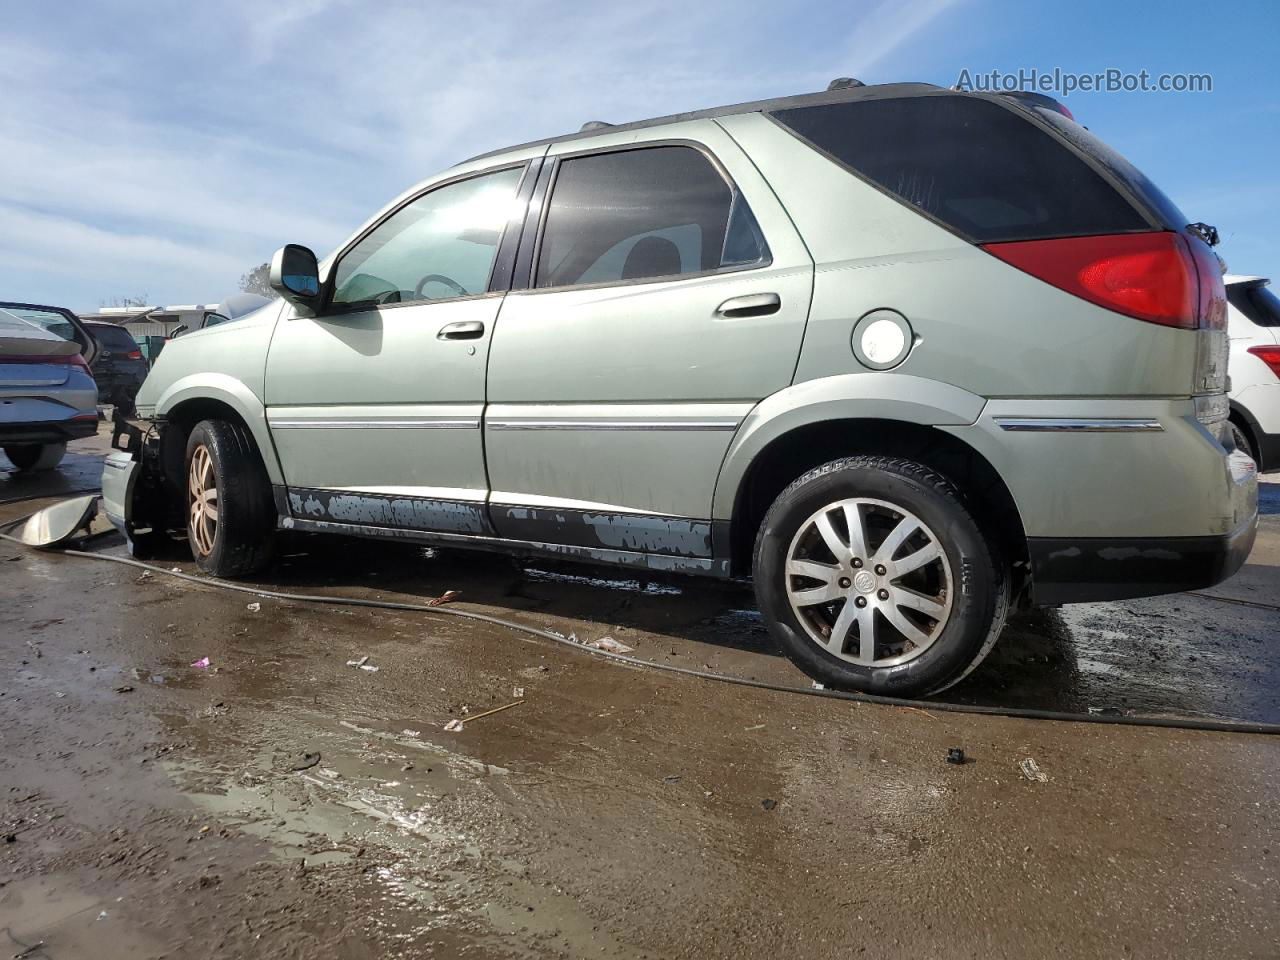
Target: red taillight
[[134, 354], [1268, 355], [1158, 277]]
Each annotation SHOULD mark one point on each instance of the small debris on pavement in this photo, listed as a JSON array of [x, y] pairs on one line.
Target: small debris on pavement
[[201, 664], [364, 664], [308, 761], [609, 645], [455, 726], [674, 778], [1031, 770], [768, 803], [411, 733], [143, 577], [253, 607], [447, 597], [955, 755], [124, 689], [518, 692]]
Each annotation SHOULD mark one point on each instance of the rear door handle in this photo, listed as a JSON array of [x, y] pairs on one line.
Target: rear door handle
[[463, 330], [752, 305]]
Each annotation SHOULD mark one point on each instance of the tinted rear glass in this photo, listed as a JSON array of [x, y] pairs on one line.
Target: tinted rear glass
[[1257, 302], [982, 169], [1133, 179], [113, 338]]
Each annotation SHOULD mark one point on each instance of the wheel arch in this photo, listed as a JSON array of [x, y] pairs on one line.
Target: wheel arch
[[213, 397], [774, 450]]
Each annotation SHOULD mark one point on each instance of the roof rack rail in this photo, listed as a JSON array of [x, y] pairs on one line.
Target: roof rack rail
[[594, 125]]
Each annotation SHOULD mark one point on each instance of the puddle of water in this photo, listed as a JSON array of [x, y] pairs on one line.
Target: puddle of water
[[70, 922]]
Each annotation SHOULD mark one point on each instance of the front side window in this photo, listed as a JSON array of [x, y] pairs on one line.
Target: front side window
[[441, 245], [643, 214]]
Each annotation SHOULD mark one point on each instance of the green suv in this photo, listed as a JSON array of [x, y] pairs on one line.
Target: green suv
[[907, 357]]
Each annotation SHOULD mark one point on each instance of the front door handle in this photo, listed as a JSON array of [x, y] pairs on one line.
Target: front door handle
[[463, 330], [752, 305]]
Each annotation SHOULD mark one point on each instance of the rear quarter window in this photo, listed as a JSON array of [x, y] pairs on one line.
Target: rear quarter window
[[983, 170], [1257, 302]]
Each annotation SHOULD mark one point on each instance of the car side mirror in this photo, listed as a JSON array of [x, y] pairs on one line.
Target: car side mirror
[[177, 331], [295, 275]]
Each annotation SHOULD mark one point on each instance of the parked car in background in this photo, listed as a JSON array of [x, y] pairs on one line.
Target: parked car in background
[[905, 356], [231, 308], [119, 368], [1253, 323], [47, 392]]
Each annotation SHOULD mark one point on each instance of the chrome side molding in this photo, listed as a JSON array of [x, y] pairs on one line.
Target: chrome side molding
[[1080, 424]]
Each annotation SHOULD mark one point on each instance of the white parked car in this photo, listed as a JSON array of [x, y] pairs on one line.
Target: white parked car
[[1253, 324]]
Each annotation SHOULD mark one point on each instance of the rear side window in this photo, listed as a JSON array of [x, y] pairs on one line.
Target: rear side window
[[977, 167], [1257, 302], [643, 214], [113, 338]]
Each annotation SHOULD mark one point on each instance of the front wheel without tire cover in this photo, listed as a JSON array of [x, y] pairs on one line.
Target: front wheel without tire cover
[[873, 575], [230, 516]]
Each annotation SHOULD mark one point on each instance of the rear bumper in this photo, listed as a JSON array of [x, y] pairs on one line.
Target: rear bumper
[[1090, 571], [1093, 569], [50, 431]]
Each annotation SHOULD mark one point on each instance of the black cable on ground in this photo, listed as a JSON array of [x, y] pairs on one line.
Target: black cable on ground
[[1175, 723]]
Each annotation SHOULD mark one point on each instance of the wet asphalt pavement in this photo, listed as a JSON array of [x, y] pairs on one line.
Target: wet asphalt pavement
[[281, 803]]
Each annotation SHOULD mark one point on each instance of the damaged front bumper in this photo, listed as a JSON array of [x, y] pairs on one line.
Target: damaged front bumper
[[132, 480], [119, 480]]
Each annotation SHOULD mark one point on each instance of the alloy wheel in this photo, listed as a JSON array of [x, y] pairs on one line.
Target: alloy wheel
[[202, 491], [869, 582]]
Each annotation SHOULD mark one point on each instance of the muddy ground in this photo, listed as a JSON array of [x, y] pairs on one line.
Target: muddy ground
[[281, 803]]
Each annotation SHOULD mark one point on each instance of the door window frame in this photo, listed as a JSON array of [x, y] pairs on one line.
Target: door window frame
[[526, 274], [497, 284]]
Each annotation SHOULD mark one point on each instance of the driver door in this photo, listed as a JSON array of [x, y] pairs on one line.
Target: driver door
[[375, 404]]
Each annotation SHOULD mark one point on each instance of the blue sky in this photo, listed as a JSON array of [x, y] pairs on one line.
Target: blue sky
[[164, 149]]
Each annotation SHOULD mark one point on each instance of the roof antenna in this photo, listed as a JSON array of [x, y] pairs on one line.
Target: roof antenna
[[844, 83], [594, 125]]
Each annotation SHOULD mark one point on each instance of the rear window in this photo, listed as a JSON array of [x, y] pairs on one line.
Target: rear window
[[979, 168], [1257, 302], [113, 338]]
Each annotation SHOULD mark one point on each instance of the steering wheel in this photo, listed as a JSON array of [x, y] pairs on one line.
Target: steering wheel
[[438, 278]]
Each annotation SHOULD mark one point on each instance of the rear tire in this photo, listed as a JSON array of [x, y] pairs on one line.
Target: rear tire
[[230, 513], [30, 457], [1241, 440], [918, 576]]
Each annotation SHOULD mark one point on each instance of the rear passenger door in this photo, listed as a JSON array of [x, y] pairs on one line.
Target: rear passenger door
[[665, 293]]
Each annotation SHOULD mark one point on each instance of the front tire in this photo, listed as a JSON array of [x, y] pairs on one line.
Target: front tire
[[230, 515], [30, 457], [873, 575]]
